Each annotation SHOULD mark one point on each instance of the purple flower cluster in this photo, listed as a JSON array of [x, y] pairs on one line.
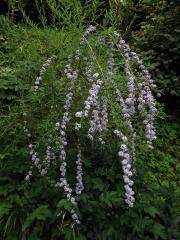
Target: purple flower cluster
[[25, 128], [99, 120], [88, 31], [33, 153], [92, 98], [92, 102], [111, 62], [61, 127], [79, 173], [125, 110], [128, 121], [35, 162], [42, 72], [145, 97], [104, 114], [62, 142], [130, 100], [103, 122], [49, 157], [124, 154], [89, 72], [95, 123]]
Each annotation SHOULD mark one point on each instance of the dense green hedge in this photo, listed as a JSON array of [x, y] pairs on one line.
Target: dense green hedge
[[35, 210]]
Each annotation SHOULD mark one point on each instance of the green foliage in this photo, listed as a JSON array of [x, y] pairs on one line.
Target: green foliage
[[158, 39], [152, 26], [40, 213], [35, 210]]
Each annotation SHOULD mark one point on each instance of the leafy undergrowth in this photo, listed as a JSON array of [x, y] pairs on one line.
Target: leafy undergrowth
[[35, 210]]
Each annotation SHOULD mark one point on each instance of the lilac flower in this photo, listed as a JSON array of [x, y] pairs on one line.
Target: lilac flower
[[111, 62], [125, 154], [88, 31], [79, 114], [126, 166], [89, 72], [104, 114], [44, 68], [79, 173]]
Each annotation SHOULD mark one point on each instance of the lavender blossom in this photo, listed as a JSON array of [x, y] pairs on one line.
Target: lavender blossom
[[88, 31], [79, 173], [125, 155], [104, 114], [43, 70], [89, 72], [145, 97]]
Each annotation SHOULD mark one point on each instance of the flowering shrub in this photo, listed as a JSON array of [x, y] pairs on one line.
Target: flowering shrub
[[132, 99], [37, 211]]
